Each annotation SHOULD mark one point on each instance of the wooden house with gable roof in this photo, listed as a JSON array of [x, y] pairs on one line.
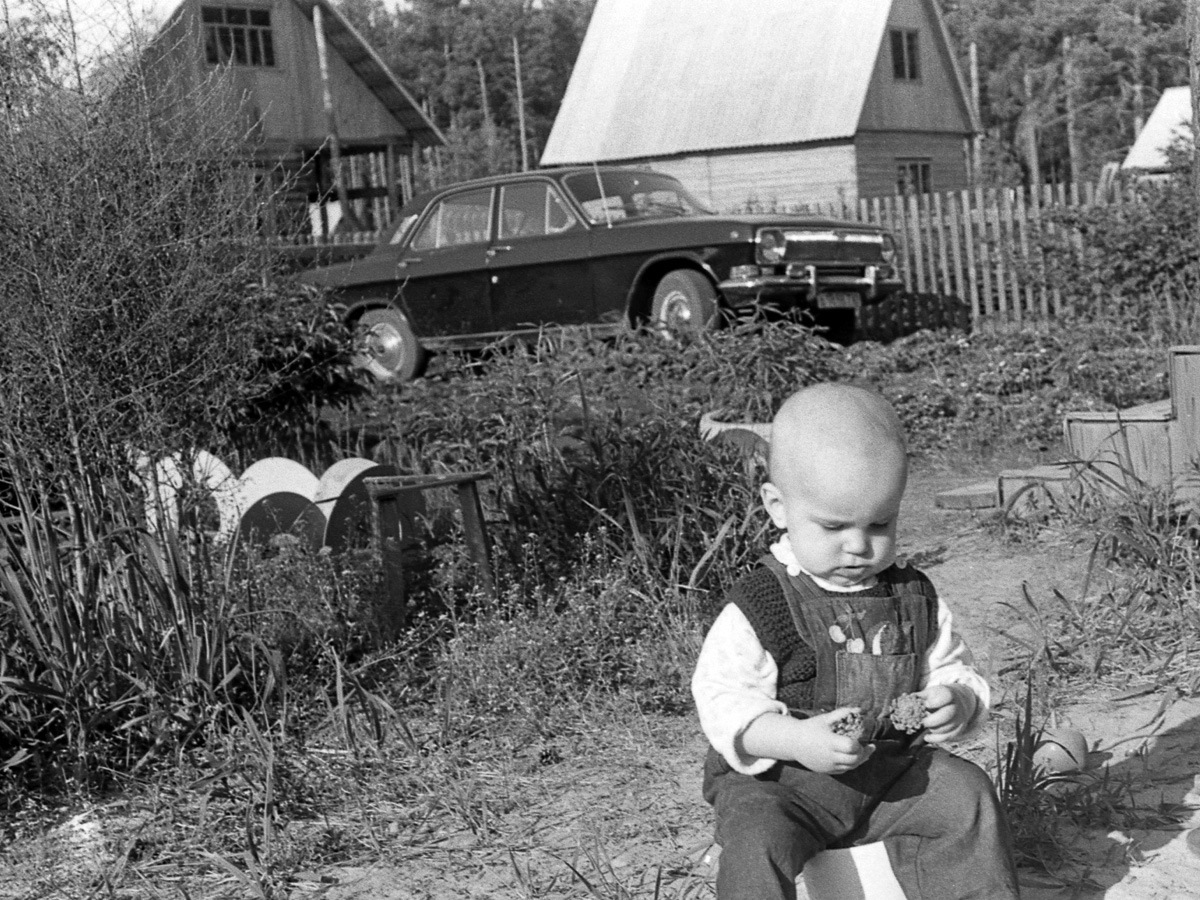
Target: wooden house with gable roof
[[311, 88], [778, 102]]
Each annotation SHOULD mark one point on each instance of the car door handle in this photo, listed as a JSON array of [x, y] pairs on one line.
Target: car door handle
[[405, 263], [499, 248]]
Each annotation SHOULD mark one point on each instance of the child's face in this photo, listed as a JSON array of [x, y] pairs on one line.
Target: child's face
[[840, 512]]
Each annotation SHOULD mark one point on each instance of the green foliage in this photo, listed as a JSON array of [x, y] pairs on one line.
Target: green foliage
[[134, 325], [1133, 263], [1121, 55], [457, 58]]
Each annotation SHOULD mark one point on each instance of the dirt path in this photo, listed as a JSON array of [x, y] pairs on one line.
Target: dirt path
[[625, 810]]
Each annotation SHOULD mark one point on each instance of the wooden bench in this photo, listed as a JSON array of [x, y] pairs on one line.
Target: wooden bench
[[385, 493]]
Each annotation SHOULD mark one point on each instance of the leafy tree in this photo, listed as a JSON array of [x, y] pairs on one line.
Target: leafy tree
[[458, 59], [1099, 64]]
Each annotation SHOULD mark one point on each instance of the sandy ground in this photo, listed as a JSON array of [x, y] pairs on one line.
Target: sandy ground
[[625, 819]]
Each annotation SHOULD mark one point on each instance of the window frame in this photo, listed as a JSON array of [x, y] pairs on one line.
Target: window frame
[[235, 38], [906, 168], [551, 195], [906, 54], [434, 213]]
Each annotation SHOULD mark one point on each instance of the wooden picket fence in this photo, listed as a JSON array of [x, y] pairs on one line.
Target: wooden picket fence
[[982, 246]]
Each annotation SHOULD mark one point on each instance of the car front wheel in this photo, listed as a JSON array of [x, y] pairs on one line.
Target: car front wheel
[[388, 348], [685, 302]]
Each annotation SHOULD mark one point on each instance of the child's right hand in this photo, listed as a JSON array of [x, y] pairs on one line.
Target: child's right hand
[[824, 750], [811, 742]]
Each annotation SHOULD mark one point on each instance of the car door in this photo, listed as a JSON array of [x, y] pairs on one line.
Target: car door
[[444, 273], [538, 262]]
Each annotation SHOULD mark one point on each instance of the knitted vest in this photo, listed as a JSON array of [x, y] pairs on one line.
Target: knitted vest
[[760, 597]]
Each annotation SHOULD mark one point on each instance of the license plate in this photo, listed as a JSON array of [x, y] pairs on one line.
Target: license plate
[[839, 300]]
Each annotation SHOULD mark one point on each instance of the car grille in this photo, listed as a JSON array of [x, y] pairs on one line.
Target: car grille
[[841, 269], [819, 248]]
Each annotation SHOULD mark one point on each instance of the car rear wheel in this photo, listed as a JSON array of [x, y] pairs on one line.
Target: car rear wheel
[[389, 350], [685, 302]]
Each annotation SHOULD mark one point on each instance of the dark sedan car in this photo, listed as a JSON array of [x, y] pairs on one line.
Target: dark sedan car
[[611, 247]]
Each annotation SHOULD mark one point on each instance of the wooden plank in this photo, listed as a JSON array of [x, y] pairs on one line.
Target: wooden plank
[[989, 303], [1037, 229], [394, 611], [999, 251], [1027, 267], [968, 215], [913, 217], [953, 226], [476, 534], [925, 214], [939, 224]]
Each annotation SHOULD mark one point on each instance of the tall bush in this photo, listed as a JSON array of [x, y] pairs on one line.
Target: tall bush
[[137, 323], [1133, 262]]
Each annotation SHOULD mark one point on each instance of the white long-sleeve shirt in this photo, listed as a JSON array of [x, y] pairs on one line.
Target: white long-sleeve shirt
[[736, 678]]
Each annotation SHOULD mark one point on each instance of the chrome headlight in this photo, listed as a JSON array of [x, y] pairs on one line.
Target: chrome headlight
[[772, 246]]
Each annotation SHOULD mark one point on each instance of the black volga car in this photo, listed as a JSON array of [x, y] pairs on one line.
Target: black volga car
[[608, 246]]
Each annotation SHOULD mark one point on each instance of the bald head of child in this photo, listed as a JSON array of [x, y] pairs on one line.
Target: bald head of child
[[838, 468]]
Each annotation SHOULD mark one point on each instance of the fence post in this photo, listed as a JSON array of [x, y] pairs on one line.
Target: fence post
[[913, 217], [948, 287], [1022, 224]]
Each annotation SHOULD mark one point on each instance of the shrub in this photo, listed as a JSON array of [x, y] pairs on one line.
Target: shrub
[[1135, 263]]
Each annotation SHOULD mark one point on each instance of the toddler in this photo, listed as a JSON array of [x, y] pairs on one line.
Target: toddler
[[794, 681]]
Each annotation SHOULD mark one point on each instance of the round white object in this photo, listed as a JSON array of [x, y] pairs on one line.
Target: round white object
[[273, 475], [342, 496], [1061, 751]]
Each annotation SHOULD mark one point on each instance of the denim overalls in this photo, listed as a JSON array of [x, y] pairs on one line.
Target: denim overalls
[[936, 813]]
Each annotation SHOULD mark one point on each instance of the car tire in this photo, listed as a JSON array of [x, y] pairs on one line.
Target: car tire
[[685, 302], [391, 351], [838, 325]]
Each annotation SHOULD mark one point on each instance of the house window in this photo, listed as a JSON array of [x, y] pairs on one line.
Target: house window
[[912, 176], [906, 64], [237, 35]]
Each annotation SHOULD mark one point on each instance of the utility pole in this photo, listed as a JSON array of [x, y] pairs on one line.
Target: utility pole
[[1074, 154], [335, 146], [1193, 34], [977, 140], [520, 106]]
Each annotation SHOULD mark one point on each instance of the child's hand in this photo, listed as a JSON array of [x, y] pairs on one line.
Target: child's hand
[[824, 750], [811, 742], [946, 716]]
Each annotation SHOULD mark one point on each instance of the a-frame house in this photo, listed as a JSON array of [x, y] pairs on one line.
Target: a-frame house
[[309, 86], [777, 102]]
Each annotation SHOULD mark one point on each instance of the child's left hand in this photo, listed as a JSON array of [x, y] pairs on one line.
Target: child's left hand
[[945, 719]]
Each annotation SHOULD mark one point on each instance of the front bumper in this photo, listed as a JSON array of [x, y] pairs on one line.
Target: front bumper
[[801, 283]]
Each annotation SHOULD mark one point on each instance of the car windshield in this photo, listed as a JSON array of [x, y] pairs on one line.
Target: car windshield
[[612, 196]]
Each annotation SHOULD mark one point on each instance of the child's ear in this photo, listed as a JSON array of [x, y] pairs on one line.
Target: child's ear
[[772, 501]]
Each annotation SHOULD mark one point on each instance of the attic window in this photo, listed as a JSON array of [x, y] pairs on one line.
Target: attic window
[[905, 56], [237, 35]]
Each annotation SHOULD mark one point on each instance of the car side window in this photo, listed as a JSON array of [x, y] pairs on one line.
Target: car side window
[[456, 221], [533, 209]]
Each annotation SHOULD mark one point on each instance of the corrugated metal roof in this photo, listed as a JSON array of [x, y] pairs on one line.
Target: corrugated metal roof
[[1169, 121], [659, 77]]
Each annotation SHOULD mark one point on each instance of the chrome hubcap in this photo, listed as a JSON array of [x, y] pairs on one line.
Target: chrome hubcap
[[676, 311], [385, 345]]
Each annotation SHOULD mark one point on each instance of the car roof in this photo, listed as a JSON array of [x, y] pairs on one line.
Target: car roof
[[419, 201]]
